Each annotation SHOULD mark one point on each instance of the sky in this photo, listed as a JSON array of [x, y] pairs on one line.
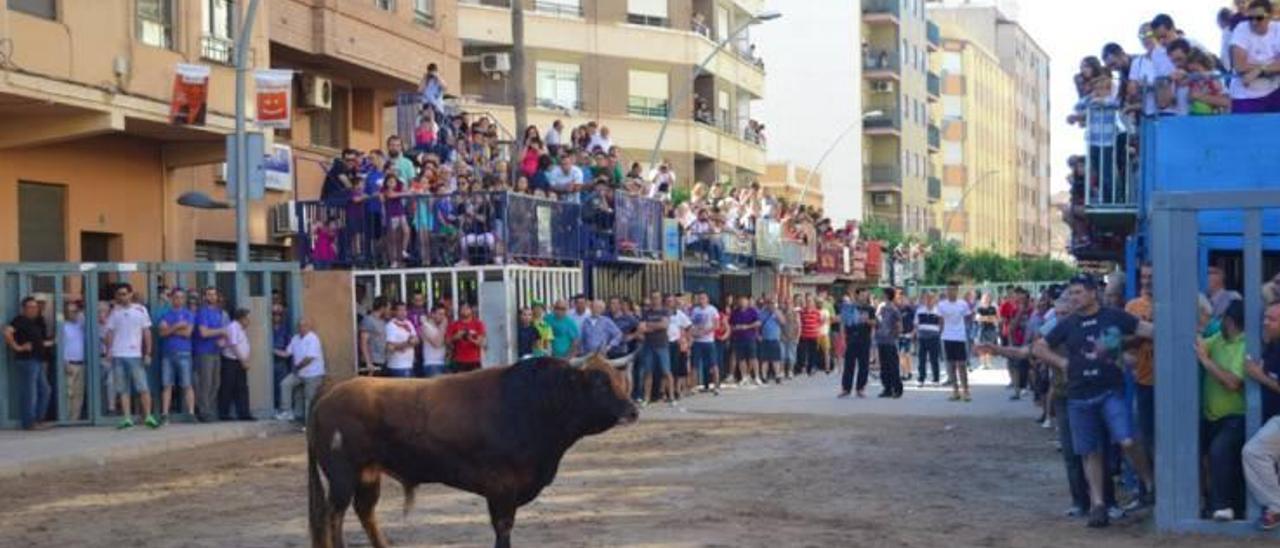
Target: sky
[[812, 89]]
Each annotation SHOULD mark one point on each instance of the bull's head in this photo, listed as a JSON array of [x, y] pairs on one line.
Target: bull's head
[[608, 402]]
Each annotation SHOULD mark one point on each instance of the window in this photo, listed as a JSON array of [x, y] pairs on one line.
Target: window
[[647, 12], [42, 222], [566, 8], [722, 111], [47, 9], [952, 153], [155, 23], [722, 22], [216, 20], [559, 85], [385, 5], [329, 128], [952, 106], [648, 93], [424, 12]]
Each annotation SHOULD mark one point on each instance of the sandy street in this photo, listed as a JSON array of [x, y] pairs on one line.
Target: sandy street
[[675, 479]]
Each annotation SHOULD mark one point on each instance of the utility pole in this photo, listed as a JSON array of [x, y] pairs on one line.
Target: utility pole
[[243, 30], [519, 98]]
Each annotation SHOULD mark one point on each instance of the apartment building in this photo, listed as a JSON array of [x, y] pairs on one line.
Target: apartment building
[[626, 64], [898, 138], [793, 183], [90, 165], [1026, 68]]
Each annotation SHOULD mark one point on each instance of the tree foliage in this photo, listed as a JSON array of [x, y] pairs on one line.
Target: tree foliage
[[946, 261]]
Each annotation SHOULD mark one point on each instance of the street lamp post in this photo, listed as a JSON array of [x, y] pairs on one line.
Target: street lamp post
[[686, 90], [946, 218], [244, 29], [804, 190]]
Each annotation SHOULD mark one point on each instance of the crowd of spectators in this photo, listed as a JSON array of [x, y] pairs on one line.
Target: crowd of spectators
[[1173, 75]]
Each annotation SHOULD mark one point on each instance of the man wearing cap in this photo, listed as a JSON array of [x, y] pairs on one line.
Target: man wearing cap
[[1093, 340]]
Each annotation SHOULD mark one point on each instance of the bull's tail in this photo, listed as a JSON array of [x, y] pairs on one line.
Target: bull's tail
[[317, 498]]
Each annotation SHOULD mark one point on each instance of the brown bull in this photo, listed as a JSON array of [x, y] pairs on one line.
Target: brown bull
[[499, 433]]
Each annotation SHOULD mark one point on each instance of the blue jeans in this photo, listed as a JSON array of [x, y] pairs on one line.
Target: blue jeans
[[1146, 396], [649, 361], [400, 373], [1076, 482], [1099, 421], [430, 370], [35, 391], [279, 370], [1223, 441], [704, 360], [176, 369]]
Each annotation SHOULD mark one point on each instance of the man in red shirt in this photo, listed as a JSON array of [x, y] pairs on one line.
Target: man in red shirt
[[466, 337], [809, 354], [1008, 310]]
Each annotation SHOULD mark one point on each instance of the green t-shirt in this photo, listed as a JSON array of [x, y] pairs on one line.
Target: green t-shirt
[[563, 332], [1229, 355]]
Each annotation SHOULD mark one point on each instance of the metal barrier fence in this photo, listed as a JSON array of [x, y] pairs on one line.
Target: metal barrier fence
[[631, 231], [1111, 167], [84, 374]]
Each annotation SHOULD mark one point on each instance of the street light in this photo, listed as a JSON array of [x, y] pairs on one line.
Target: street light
[[804, 190], [686, 90], [946, 218], [199, 200]]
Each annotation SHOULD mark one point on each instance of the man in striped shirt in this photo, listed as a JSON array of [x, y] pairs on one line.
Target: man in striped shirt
[[929, 337], [808, 354]]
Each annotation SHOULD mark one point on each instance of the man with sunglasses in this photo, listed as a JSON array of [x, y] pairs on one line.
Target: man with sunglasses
[[1255, 54], [340, 176]]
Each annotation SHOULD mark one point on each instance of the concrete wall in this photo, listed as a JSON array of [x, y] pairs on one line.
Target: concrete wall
[[329, 307]]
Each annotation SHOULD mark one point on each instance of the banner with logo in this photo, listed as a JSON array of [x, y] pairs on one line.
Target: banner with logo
[[275, 97], [278, 168], [190, 95]]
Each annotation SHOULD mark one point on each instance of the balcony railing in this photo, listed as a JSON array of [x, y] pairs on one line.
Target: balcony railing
[[934, 85], [935, 137], [882, 175], [627, 227], [217, 49], [934, 34], [559, 9], [489, 3], [885, 119], [881, 7], [1111, 166], [881, 59], [648, 20], [935, 188], [647, 106]]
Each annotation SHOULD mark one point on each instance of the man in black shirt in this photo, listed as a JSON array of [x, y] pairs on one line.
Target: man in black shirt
[[1093, 339], [1262, 453], [27, 337], [340, 176]]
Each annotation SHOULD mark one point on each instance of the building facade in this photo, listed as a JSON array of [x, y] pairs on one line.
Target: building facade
[[90, 165], [793, 183], [625, 64], [898, 137], [1025, 73]]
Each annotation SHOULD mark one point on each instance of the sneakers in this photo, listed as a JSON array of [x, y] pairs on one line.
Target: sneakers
[[843, 394], [284, 416], [151, 422], [954, 397], [1099, 517], [1269, 520], [1115, 513], [1047, 424], [967, 398], [1074, 512], [1225, 514], [125, 424], [920, 384]]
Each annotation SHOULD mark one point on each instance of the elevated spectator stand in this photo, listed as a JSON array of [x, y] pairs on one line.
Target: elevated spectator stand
[[625, 252], [93, 284]]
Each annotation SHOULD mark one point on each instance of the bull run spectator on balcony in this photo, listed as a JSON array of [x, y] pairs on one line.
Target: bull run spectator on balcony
[[1090, 69], [1255, 57]]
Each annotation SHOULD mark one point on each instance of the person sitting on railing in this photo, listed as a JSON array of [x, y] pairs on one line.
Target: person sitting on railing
[[1255, 55], [476, 221], [663, 181], [703, 237], [633, 182], [433, 88]]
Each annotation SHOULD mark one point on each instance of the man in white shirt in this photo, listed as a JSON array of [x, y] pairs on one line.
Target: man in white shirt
[[128, 333], [307, 359], [677, 328], [663, 181], [553, 138], [433, 345], [580, 311], [73, 358], [233, 390], [1255, 53], [401, 338], [704, 320], [954, 312], [601, 141], [566, 179]]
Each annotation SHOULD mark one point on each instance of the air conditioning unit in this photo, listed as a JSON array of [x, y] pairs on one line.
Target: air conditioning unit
[[883, 199], [495, 62], [284, 224], [882, 86], [317, 92]]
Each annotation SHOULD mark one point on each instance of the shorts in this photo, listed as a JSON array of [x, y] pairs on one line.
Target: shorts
[[955, 351], [1092, 419], [645, 362], [679, 361], [824, 344], [405, 373], [744, 349], [177, 364], [789, 352], [987, 334], [397, 221], [130, 371], [464, 367], [904, 345], [770, 351]]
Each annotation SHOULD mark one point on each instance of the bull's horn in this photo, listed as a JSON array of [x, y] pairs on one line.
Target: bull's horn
[[579, 361], [623, 362]]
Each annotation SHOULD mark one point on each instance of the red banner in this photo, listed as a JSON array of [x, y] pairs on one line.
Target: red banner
[[274, 102], [190, 95], [831, 258]]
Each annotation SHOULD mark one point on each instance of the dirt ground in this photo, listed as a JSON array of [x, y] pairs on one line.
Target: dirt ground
[[769, 481]]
